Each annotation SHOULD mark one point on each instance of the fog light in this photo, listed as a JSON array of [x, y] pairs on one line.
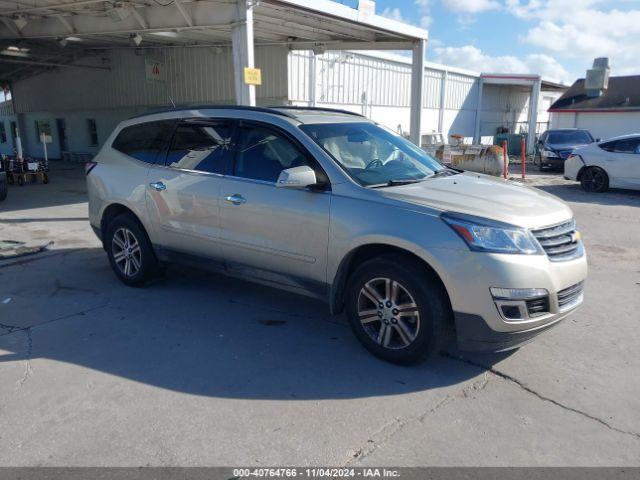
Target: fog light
[[517, 293], [512, 312]]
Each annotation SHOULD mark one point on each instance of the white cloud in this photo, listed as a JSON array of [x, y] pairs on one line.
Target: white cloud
[[581, 30], [424, 12], [471, 6], [393, 14], [473, 58]]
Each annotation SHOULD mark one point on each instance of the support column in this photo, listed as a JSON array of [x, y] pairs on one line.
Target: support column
[[417, 90], [312, 80], [534, 100], [443, 101], [242, 42], [476, 130]]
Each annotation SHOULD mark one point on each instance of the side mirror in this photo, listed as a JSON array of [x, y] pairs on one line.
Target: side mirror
[[297, 177]]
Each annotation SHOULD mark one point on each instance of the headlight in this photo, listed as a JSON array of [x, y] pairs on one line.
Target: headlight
[[495, 239], [549, 154]]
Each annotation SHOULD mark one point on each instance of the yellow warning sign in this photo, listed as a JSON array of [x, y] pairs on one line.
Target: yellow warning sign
[[252, 76]]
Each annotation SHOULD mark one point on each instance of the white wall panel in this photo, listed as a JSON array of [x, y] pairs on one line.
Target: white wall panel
[[191, 76]]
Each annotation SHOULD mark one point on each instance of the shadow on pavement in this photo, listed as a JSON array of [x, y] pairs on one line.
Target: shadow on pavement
[[197, 333], [613, 197]]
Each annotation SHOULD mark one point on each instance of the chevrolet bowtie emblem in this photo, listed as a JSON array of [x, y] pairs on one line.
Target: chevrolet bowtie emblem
[[575, 236]]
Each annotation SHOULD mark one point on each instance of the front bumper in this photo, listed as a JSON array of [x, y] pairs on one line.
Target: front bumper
[[474, 335], [480, 325], [552, 162]]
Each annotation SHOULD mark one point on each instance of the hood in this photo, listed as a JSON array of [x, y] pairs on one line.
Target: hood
[[565, 146], [485, 196]]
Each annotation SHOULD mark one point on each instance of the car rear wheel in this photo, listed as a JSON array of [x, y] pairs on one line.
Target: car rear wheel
[[129, 250], [396, 310], [594, 179]]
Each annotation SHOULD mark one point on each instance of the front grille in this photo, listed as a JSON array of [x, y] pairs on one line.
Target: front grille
[[538, 306], [560, 242], [570, 295]]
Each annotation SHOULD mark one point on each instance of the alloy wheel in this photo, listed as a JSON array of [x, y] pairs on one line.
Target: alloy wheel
[[388, 313], [594, 180], [126, 252]]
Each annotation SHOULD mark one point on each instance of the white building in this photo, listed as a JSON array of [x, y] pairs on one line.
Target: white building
[[615, 111], [77, 69]]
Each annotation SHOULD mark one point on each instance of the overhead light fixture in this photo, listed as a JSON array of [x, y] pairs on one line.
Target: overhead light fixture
[[20, 22], [165, 34], [119, 12], [63, 42], [13, 51], [136, 38], [319, 49]]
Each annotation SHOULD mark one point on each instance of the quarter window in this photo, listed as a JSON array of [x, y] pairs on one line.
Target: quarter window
[[262, 154], [143, 141], [200, 147], [625, 145]]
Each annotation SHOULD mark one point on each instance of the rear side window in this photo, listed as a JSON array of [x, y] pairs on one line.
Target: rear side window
[[200, 147], [143, 141], [626, 145]]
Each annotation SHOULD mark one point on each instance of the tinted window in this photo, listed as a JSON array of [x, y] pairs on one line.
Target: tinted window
[[628, 145], [200, 147], [143, 141], [263, 154], [575, 137]]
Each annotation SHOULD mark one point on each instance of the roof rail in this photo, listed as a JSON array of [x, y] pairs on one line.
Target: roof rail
[[273, 111], [320, 109]]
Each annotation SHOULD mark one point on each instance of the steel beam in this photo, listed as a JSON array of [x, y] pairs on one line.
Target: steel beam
[[242, 42], [417, 90]]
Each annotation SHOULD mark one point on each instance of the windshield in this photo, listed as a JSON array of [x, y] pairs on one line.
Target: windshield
[[371, 154], [577, 137]]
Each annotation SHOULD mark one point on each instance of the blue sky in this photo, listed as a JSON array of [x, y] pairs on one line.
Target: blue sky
[[555, 38]]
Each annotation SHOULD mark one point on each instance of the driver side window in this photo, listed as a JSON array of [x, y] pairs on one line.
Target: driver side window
[[262, 154]]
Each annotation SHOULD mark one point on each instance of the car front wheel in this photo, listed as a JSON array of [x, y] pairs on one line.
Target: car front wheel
[[594, 179], [397, 310]]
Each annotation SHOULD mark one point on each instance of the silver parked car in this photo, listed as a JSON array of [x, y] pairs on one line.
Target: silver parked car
[[330, 204]]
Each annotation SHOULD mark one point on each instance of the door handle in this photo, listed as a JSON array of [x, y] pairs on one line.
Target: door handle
[[236, 199], [159, 186]]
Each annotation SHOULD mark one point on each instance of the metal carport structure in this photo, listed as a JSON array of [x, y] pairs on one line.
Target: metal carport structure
[[49, 34]]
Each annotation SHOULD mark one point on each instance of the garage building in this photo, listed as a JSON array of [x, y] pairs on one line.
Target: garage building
[[76, 69]]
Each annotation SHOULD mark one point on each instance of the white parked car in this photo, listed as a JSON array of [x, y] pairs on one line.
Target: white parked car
[[613, 163]]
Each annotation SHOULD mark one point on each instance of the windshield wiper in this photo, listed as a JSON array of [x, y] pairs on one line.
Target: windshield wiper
[[396, 182], [444, 173]]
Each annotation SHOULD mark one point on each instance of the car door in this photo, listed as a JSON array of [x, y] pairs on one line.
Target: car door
[[271, 233], [622, 162], [184, 188]]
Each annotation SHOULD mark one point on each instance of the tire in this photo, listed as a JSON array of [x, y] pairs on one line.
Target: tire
[[594, 179], [3, 190], [129, 250], [540, 167], [411, 337]]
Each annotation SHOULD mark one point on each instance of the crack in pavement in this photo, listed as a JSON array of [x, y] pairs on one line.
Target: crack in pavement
[[28, 371], [392, 428], [13, 328], [9, 328], [542, 397]]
